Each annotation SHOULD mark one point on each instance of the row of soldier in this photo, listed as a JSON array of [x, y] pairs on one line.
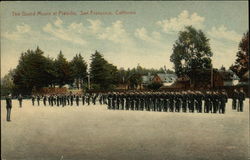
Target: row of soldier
[[185, 101], [169, 101], [65, 99], [213, 101]]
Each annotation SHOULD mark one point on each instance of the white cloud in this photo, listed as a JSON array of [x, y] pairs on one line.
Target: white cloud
[[115, 33], [18, 33], [143, 34], [71, 33], [223, 33], [176, 24], [95, 25]]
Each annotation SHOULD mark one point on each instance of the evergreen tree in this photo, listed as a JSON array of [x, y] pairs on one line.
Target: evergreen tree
[[79, 70], [62, 70], [103, 75]]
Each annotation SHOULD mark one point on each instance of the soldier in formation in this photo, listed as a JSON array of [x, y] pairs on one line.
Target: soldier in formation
[[183, 101], [20, 99], [238, 97], [69, 99]]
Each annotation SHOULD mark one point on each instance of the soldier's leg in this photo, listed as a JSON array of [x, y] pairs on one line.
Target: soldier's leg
[[241, 106], [8, 114]]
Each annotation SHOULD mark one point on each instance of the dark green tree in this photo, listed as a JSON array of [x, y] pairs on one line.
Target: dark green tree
[[103, 74], [32, 71], [241, 65], [79, 70], [191, 52], [63, 71]]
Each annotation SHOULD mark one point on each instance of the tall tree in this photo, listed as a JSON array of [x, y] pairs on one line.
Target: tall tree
[[79, 70], [32, 71], [191, 52], [103, 74], [241, 65], [63, 72]]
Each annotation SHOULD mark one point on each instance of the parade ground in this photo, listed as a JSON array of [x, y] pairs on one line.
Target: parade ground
[[95, 133]]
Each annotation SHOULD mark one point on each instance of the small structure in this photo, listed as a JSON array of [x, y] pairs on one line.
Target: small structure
[[225, 78], [164, 78]]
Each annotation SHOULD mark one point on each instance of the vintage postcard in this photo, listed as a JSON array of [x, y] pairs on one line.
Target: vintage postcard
[[124, 80]]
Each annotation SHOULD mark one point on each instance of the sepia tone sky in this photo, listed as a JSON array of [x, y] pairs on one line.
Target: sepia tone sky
[[132, 33]]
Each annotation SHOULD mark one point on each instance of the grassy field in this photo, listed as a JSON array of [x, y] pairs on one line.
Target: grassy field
[[95, 133]]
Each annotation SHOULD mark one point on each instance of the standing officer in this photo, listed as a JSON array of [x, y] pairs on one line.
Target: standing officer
[[8, 106], [20, 99], [241, 98]]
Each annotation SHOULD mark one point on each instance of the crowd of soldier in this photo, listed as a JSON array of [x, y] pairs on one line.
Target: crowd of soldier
[[185, 101], [64, 99]]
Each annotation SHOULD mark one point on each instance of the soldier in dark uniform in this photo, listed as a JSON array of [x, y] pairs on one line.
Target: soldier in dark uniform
[[122, 100], [20, 99], [77, 100], [8, 107], [114, 96], [127, 101], [241, 98], [177, 102], [147, 101], [94, 98], [88, 99], [109, 100], [198, 100], [184, 101], [132, 101], [68, 99], [33, 100], [223, 100], [58, 100], [71, 99], [38, 100], [171, 102], [153, 99], [234, 98], [206, 102], [215, 101], [83, 99], [137, 101], [44, 100], [191, 101]]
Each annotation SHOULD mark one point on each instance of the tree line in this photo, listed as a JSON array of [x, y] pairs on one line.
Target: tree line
[[191, 55], [35, 71]]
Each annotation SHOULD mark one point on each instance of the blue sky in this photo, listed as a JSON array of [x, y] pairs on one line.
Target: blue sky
[[145, 37]]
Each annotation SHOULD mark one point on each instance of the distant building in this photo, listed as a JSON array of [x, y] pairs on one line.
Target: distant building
[[164, 78], [225, 78]]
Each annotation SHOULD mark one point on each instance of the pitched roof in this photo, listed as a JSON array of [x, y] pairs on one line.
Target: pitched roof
[[167, 77], [228, 75]]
